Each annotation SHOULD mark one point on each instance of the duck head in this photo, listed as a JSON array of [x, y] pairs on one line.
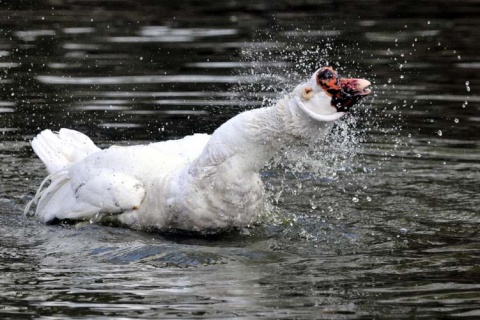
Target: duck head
[[327, 96]]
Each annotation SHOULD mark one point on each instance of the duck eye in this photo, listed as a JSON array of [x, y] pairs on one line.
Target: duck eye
[[326, 74]]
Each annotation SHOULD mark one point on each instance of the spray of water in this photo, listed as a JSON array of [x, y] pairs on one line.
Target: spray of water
[[279, 65]]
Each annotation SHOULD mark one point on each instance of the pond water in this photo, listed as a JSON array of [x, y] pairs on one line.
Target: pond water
[[379, 221]]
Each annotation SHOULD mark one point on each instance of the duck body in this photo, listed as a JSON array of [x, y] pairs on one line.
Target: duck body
[[198, 183]]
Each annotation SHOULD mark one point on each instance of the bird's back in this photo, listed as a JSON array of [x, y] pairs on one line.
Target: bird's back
[[111, 181], [142, 161]]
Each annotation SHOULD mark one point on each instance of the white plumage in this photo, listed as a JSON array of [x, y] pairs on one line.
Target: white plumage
[[197, 183]]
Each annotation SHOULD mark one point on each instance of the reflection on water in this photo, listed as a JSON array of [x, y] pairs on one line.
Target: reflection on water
[[379, 221]]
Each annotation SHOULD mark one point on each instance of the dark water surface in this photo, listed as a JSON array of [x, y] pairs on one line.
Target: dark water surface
[[380, 221]]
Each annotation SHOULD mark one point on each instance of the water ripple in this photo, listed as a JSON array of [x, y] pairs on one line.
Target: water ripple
[[144, 79], [237, 64], [155, 31], [206, 103], [171, 35], [32, 35], [9, 64], [79, 30], [395, 36]]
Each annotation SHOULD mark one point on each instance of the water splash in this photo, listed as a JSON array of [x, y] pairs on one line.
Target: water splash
[[281, 59], [279, 64]]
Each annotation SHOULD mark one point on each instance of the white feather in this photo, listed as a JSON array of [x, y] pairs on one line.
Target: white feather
[[59, 150], [199, 182]]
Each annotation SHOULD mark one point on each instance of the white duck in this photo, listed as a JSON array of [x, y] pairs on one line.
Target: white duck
[[198, 183]]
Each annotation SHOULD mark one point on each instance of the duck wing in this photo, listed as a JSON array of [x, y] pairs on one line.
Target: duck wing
[[90, 181]]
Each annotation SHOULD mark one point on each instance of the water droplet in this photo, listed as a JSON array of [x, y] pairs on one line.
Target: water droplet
[[428, 22], [439, 132], [389, 80], [456, 120], [369, 199], [355, 199]]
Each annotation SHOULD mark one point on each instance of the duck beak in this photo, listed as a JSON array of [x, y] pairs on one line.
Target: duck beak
[[350, 91], [355, 87], [345, 92]]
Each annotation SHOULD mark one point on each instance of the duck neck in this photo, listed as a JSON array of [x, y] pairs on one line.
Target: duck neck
[[252, 138], [222, 187]]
